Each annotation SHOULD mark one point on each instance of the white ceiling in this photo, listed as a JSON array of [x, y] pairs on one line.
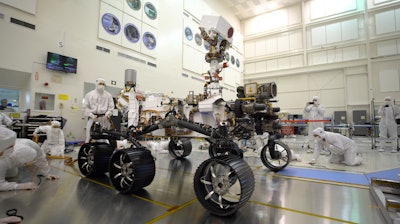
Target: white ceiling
[[244, 9]]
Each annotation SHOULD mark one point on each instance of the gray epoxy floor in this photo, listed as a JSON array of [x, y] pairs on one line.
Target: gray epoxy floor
[[170, 197]]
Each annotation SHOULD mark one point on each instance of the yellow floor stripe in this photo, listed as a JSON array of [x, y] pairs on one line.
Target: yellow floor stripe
[[171, 211], [111, 187], [302, 212]]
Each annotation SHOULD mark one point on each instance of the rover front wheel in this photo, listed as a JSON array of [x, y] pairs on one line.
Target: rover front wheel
[[93, 158], [276, 156], [131, 169], [223, 184]]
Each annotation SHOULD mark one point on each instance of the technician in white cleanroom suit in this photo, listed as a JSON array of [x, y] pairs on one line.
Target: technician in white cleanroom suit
[[5, 120], [387, 125], [98, 103], [314, 111], [343, 149], [16, 153], [55, 141]]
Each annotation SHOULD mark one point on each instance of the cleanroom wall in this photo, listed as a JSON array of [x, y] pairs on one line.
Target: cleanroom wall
[[344, 51]]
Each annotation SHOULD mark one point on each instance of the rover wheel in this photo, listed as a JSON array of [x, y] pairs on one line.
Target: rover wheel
[[93, 158], [131, 169], [223, 184], [277, 157], [179, 147], [216, 149]]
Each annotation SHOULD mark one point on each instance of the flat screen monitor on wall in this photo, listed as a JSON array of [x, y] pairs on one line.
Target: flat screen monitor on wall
[[62, 63]]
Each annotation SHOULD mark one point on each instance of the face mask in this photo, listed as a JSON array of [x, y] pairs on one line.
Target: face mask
[[100, 88]]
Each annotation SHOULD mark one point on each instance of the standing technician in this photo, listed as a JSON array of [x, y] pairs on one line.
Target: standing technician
[[97, 103], [314, 111], [387, 125]]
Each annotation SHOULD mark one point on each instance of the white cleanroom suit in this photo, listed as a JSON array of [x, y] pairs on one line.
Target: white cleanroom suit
[[387, 124], [343, 149], [314, 111], [5, 120], [97, 103], [16, 153], [55, 141]]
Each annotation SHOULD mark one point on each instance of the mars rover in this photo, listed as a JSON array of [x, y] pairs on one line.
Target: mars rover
[[222, 183]]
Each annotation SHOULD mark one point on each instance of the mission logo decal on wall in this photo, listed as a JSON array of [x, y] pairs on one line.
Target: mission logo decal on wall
[[111, 23]]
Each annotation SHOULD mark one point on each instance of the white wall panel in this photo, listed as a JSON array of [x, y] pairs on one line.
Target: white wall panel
[[105, 10], [151, 8], [290, 83], [261, 66], [283, 43], [133, 44], [260, 47], [386, 48], [249, 68], [284, 63], [359, 95], [385, 22], [292, 100], [249, 49], [324, 8], [191, 60], [137, 13], [389, 80], [296, 61], [317, 9], [397, 17], [295, 16], [333, 98], [333, 33], [334, 55], [115, 3], [24, 5], [326, 80], [266, 22], [296, 41], [350, 29], [147, 29], [317, 58], [318, 36], [351, 53], [272, 65], [272, 45]]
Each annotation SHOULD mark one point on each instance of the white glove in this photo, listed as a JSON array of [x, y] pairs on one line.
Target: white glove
[[26, 186], [52, 177], [108, 114], [312, 162], [10, 219], [91, 115]]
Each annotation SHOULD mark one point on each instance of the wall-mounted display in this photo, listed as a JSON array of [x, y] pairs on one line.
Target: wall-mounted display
[[149, 40], [198, 39], [132, 33], [150, 10], [62, 63], [134, 4], [188, 34], [111, 23]]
